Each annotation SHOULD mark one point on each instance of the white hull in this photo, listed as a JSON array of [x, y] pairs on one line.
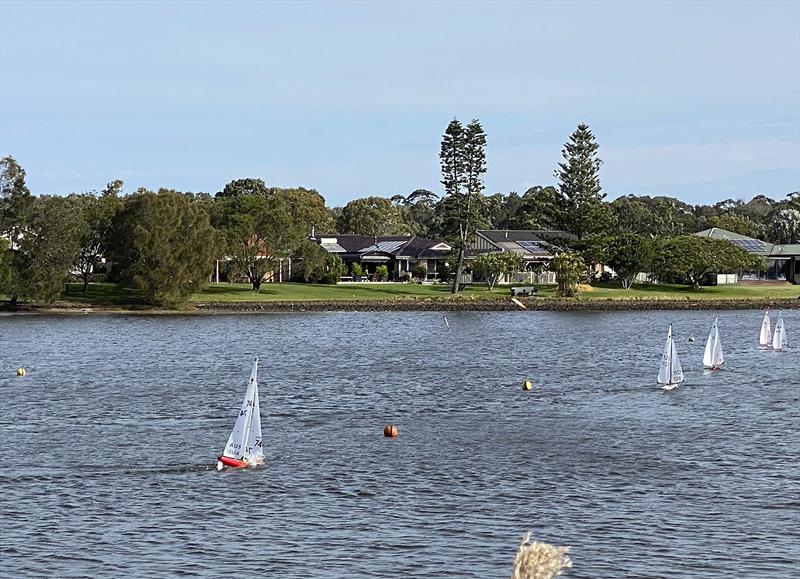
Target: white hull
[[669, 386]]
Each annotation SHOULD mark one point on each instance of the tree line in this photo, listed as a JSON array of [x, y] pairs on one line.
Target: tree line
[[165, 242]]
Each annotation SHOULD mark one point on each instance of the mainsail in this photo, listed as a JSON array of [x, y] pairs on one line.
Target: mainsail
[[779, 340], [244, 442], [670, 373], [712, 357], [764, 338]]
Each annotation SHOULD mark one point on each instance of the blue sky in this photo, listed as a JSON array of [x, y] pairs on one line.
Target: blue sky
[[700, 100]]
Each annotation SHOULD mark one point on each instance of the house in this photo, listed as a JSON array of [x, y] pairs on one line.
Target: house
[[783, 261], [790, 253], [402, 254], [537, 247]]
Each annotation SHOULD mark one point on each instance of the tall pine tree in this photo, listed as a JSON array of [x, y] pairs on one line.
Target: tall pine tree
[[580, 196], [463, 158]]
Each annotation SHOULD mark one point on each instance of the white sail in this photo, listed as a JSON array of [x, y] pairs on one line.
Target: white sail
[[712, 357], [254, 449], [246, 434], [670, 373], [779, 340], [764, 338]]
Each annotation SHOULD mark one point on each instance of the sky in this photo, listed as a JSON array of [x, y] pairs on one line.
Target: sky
[[698, 100]]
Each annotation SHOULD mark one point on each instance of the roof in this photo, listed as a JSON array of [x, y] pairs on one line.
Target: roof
[[749, 244], [397, 245], [718, 233], [531, 244], [495, 235], [786, 250]]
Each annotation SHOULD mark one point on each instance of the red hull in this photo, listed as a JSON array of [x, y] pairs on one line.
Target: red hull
[[232, 462]]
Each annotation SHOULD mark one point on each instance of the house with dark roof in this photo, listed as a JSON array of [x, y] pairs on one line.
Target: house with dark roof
[[783, 261], [535, 246], [400, 253]]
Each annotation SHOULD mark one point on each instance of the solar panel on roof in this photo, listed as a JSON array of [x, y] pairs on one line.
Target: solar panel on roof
[[750, 244], [532, 247]]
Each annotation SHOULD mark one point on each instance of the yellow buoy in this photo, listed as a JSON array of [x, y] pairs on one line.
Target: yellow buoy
[[527, 385], [20, 371]]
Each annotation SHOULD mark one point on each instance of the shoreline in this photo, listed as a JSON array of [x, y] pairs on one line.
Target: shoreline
[[424, 305]]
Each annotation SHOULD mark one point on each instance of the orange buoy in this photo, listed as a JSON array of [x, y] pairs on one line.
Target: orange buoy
[[390, 431]]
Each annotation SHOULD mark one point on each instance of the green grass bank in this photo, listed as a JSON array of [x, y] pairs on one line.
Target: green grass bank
[[376, 296]]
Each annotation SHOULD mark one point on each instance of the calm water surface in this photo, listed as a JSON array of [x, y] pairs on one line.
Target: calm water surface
[[108, 446]]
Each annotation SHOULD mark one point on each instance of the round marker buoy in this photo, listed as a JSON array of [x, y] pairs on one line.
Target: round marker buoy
[[20, 371], [527, 385], [390, 431]]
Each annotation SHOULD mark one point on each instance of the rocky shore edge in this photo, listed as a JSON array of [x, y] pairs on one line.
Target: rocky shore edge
[[428, 305], [531, 304]]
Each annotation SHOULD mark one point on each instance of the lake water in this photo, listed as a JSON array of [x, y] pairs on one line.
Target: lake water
[[108, 445]]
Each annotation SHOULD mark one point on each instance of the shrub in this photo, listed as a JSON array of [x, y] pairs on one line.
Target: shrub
[[570, 269]]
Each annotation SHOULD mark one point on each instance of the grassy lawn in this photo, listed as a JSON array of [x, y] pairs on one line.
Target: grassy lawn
[[225, 292], [107, 294], [672, 291], [365, 291]]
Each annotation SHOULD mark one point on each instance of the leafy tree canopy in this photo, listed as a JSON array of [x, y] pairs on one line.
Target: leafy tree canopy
[[258, 233], [41, 262], [372, 216], [306, 208], [493, 266], [244, 187], [163, 244], [689, 258], [626, 253], [16, 201]]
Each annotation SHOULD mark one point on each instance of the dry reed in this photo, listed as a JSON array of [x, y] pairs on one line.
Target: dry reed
[[537, 560]]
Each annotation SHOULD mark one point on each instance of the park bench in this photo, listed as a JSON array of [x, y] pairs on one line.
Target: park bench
[[524, 291]]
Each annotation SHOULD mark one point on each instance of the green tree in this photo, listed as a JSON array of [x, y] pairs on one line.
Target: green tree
[[463, 162], [758, 209], [97, 213], [244, 187], [570, 270], [785, 226], [306, 208], [163, 244], [333, 271], [633, 215], [16, 201], [372, 216], [419, 212], [44, 253], [741, 224], [6, 263], [310, 260], [258, 233], [538, 209], [689, 258], [793, 200], [493, 266], [627, 254], [579, 184]]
